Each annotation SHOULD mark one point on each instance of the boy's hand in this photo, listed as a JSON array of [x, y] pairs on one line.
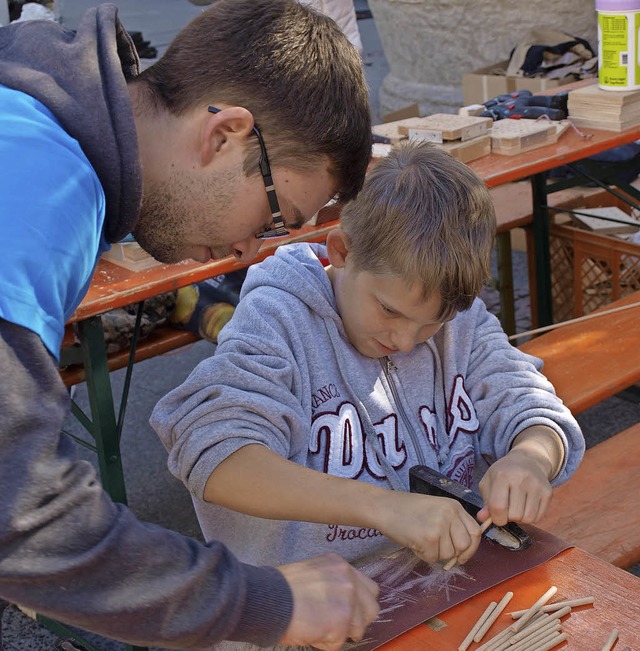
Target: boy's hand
[[515, 489], [332, 602], [434, 528]]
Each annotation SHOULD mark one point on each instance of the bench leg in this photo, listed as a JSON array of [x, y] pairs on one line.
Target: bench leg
[[103, 426], [505, 282], [542, 256]]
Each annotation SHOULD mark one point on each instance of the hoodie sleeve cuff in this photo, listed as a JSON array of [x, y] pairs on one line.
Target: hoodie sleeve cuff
[[268, 607]]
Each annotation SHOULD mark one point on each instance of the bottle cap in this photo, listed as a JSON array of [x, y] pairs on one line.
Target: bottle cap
[[617, 5]]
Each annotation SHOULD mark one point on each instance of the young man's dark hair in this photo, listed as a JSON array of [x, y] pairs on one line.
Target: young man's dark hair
[[270, 56]]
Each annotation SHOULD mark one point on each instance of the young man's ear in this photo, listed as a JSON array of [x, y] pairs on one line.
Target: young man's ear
[[338, 247], [223, 131]]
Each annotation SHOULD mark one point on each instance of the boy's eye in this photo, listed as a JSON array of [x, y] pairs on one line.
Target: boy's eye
[[386, 309]]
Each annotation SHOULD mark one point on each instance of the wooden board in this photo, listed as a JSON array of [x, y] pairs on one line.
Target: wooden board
[[441, 127], [591, 360], [606, 125], [595, 220], [597, 508], [593, 108], [593, 95]]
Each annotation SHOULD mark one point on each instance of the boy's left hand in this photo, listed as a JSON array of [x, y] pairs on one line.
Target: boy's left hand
[[516, 488]]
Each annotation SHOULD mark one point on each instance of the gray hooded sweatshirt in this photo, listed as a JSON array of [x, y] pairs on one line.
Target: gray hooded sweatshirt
[[285, 376], [66, 550]]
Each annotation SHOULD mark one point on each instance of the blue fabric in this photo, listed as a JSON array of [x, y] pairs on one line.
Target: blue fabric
[[52, 210]]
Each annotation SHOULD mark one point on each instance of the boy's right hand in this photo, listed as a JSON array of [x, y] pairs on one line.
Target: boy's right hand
[[332, 602], [434, 528]]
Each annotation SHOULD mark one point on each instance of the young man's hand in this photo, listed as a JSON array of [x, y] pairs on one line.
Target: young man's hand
[[434, 528], [332, 602]]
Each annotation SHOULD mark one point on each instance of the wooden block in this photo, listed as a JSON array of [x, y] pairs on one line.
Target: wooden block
[[472, 109], [380, 150], [468, 150], [511, 137], [441, 127], [389, 130], [411, 111], [130, 255]]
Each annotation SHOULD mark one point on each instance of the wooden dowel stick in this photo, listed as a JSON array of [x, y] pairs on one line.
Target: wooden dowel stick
[[611, 641], [505, 634], [531, 628], [519, 623], [552, 643], [502, 604], [538, 637], [505, 643], [553, 326], [450, 563], [474, 629], [549, 608], [503, 646], [483, 527], [496, 639]]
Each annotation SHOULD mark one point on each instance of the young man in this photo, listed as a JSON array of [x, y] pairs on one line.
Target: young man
[[91, 150], [346, 365]]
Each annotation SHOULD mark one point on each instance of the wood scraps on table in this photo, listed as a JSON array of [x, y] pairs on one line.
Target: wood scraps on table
[[412, 591]]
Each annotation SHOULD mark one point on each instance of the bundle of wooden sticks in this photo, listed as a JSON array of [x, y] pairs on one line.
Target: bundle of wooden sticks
[[538, 628]]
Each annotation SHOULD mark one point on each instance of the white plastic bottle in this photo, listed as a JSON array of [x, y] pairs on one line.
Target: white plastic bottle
[[618, 38]]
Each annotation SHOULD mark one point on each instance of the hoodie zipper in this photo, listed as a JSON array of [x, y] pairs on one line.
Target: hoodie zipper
[[388, 367]]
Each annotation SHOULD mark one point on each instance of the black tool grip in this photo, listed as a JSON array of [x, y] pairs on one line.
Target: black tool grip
[[428, 481]]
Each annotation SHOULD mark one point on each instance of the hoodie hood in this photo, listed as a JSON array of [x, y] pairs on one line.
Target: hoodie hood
[[81, 78], [297, 269]]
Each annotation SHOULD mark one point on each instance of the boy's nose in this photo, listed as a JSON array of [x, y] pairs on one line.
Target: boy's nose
[[405, 339]]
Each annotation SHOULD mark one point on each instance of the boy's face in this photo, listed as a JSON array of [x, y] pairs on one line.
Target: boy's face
[[382, 315]]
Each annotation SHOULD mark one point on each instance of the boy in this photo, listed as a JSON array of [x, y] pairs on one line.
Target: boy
[[360, 367]]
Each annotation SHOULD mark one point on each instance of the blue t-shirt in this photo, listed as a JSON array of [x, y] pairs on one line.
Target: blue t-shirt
[[52, 210]]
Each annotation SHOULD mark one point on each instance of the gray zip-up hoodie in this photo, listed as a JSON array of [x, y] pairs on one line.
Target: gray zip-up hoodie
[[66, 550], [285, 376]]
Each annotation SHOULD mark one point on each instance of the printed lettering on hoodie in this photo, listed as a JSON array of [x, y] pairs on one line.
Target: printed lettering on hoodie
[[341, 438]]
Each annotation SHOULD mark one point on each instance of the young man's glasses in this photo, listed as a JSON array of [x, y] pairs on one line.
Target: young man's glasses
[[277, 227]]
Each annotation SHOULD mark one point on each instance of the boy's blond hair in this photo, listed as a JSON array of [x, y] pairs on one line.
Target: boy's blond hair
[[427, 218]]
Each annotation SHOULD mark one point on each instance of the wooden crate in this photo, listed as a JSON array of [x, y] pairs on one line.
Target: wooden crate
[[589, 270]]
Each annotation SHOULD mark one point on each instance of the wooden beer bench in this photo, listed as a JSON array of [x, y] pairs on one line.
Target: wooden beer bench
[[588, 362]]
